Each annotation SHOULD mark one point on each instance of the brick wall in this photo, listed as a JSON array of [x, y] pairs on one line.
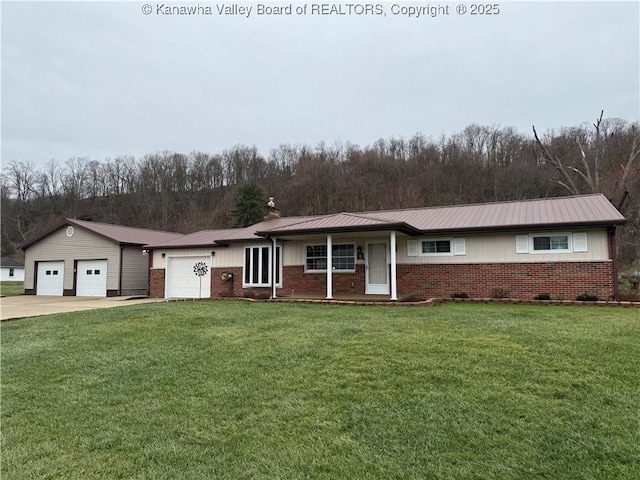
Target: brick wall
[[565, 280], [561, 280], [156, 283], [297, 282]]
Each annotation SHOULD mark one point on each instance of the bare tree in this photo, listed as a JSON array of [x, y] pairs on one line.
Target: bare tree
[[589, 168]]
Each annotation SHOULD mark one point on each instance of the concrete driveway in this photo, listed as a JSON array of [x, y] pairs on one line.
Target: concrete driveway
[[33, 306]]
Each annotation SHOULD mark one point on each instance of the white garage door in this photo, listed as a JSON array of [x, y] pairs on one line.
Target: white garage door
[[182, 282], [91, 278], [50, 278]]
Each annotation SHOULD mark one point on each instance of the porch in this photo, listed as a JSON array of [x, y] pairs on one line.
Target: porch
[[350, 299]]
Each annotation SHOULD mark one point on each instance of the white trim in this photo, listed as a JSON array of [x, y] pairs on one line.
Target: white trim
[[580, 244], [533, 251], [412, 248], [392, 279], [335, 270], [167, 273], [435, 254], [522, 243], [376, 288], [459, 246], [274, 256], [270, 266], [329, 267]]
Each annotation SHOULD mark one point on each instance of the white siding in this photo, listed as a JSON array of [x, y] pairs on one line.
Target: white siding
[[82, 245], [478, 248], [220, 259], [501, 248], [18, 274]]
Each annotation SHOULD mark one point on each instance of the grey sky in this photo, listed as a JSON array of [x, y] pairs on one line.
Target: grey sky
[[101, 79]]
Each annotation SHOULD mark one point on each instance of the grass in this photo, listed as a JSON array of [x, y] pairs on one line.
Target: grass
[[253, 391], [11, 289]]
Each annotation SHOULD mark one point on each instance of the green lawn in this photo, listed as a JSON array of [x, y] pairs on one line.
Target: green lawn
[[11, 289], [251, 391]]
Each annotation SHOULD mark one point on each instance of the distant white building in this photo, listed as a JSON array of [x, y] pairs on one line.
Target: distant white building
[[11, 270]]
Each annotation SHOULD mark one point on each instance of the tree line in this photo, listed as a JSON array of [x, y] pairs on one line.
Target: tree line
[[189, 192]]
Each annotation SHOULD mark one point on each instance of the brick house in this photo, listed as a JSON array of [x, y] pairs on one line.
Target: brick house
[[561, 246]]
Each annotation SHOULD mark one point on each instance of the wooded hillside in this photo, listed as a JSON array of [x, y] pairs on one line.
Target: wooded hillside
[[195, 191]]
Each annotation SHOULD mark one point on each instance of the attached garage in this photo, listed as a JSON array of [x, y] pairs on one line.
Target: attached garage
[[50, 278], [91, 278], [182, 281]]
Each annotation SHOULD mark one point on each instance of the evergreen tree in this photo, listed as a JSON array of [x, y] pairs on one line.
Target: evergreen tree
[[249, 205]]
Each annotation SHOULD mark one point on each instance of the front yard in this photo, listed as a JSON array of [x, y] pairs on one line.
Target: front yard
[[249, 391], [11, 289]]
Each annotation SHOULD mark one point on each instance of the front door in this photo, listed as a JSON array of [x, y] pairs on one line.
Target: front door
[[377, 269]]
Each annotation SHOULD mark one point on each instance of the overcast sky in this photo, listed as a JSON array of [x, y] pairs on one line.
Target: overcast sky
[[102, 79]]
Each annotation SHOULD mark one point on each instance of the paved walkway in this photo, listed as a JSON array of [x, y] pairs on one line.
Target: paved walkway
[[33, 306]]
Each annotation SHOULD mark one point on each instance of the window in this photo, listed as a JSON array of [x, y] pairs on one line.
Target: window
[[11, 272], [551, 243], [316, 257], [343, 258], [257, 266], [436, 246], [88, 272]]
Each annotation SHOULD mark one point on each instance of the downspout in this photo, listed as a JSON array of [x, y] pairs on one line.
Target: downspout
[[394, 288], [612, 246], [329, 267]]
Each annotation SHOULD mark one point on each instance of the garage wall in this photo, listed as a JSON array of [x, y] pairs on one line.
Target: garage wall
[[135, 271], [82, 245]]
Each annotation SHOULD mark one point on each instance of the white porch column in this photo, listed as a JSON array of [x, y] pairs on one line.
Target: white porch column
[[329, 267], [273, 268], [394, 287]]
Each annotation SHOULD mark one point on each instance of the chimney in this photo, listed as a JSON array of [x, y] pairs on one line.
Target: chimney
[[272, 211]]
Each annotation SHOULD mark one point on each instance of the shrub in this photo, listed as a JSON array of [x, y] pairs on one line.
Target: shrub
[[459, 295], [629, 297], [499, 293], [542, 296], [586, 297]]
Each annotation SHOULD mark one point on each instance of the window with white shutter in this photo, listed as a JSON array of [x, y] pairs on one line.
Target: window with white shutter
[[459, 247], [580, 242], [522, 243], [412, 248]]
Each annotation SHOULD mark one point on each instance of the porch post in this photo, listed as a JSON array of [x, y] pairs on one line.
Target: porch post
[[329, 267], [273, 268], [394, 288]]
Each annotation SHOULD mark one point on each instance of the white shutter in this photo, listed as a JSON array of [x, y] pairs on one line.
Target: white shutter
[[522, 243], [412, 248], [580, 242], [459, 246]]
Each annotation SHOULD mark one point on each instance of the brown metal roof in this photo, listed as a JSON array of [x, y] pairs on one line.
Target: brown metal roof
[[249, 233], [204, 238], [548, 212], [126, 235], [341, 222], [117, 233]]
